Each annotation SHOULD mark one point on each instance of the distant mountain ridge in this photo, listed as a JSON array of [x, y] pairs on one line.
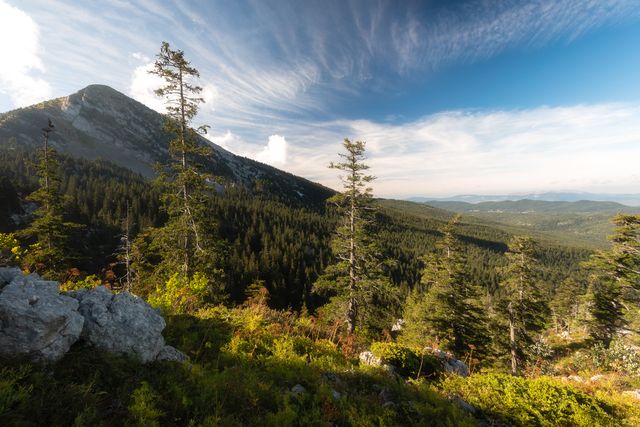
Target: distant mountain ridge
[[624, 199], [99, 122]]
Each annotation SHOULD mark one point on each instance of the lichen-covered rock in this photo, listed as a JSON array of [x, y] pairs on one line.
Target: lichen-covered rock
[[123, 324], [35, 320]]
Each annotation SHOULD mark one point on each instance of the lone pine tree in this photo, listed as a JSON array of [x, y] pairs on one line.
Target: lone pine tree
[[356, 278], [184, 181]]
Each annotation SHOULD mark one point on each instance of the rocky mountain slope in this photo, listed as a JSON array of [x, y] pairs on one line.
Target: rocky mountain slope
[[99, 122]]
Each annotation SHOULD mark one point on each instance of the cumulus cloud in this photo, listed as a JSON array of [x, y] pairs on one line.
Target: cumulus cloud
[[275, 152], [227, 140], [20, 71], [142, 86]]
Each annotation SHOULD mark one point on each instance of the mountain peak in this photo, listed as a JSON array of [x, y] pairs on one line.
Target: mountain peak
[[99, 122]]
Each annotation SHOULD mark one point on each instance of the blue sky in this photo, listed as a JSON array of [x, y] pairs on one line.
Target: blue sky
[[452, 97]]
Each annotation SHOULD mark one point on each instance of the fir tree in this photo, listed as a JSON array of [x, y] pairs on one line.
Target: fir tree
[[447, 309], [187, 237], [356, 280], [614, 274], [49, 252], [566, 304], [521, 301]]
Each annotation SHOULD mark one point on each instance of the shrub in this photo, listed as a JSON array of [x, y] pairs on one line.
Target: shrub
[[88, 282], [10, 250], [541, 401], [408, 361], [180, 295]]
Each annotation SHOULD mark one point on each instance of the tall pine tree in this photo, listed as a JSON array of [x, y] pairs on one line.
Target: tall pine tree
[[356, 279], [186, 242], [614, 274], [521, 301]]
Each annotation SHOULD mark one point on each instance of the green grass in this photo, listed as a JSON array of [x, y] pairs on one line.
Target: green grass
[[245, 363]]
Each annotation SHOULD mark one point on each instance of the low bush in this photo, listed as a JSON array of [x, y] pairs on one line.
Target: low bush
[[541, 401]]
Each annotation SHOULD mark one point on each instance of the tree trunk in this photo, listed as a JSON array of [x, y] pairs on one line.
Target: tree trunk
[[512, 341]]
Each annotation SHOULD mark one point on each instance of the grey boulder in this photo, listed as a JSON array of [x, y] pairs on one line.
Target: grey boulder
[[35, 320], [123, 324]]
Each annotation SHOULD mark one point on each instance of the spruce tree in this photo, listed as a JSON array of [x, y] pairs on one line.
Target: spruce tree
[[448, 309], [566, 304], [356, 280], [187, 232], [186, 242], [614, 274], [521, 302], [49, 251]]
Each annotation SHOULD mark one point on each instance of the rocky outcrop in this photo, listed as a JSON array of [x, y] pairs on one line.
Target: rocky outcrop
[[35, 320], [38, 322], [123, 324]]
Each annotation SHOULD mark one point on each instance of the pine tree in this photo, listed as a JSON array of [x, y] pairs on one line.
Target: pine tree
[[522, 302], [187, 235], [614, 274], [566, 304], [187, 241], [49, 252], [356, 279], [447, 309]]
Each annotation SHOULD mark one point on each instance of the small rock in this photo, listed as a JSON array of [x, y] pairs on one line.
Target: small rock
[[466, 406], [336, 394], [596, 378], [389, 404], [449, 363], [368, 358], [171, 354], [397, 327], [297, 390], [330, 377], [576, 378], [633, 393]]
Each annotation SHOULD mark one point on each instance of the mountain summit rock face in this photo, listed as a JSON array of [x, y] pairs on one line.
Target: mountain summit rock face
[[99, 122]]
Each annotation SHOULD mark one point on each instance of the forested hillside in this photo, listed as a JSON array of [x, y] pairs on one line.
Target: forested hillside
[[283, 245]]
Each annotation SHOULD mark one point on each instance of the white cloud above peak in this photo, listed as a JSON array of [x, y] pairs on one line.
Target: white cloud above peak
[[275, 152], [22, 67]]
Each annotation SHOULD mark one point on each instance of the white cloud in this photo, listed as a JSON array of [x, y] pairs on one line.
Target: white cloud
[[583, 147], [20, 47], [142, 86], [275, 152], [227, 140]]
